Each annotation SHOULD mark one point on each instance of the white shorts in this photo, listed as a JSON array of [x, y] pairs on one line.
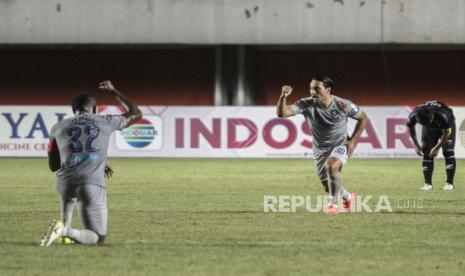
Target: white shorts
[[339, 152], [92, 201]]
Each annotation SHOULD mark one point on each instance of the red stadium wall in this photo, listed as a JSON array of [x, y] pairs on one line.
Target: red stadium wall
[[366, 77], [185, 76], [150, 77]]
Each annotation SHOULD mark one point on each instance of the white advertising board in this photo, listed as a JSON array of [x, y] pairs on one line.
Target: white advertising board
[[181, 131]]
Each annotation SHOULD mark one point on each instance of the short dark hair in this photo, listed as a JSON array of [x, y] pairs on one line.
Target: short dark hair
[[424, 115], [81, 101], [327, 81]]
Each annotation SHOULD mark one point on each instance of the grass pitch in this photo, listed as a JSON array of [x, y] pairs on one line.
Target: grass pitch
[[205, 216]]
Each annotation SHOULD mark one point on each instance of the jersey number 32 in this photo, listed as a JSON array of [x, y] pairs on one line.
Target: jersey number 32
[[75, 132]]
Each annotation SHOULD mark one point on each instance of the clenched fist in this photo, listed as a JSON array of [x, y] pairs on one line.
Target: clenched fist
[[286, 90], [106, 85]]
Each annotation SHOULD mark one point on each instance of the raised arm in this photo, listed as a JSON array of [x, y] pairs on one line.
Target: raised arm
[[133, 113], [282, 109]]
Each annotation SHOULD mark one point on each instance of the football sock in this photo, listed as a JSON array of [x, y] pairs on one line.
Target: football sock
[[345, 194], [428, 168], [84, 236], [67, 207], [335, 186], [450, 169]]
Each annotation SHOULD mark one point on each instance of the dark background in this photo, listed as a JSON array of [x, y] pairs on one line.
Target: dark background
[[186, 76]]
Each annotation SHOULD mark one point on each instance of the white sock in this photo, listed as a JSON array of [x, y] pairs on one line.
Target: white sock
[[345, 195], [67, 207], [335, 186], [84, 236]]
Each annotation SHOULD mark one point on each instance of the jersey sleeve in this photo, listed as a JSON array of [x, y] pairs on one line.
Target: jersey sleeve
[[118, 122], [300, 106], [349, 108], [52, 132]]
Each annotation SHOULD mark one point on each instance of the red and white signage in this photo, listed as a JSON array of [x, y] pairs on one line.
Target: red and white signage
[[178, 131]]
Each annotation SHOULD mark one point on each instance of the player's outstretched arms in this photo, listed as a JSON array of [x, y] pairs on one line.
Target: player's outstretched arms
[[282, 109], [133, 113], [54, 159]]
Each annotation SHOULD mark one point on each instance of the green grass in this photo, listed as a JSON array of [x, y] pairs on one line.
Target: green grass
[[205, 216]]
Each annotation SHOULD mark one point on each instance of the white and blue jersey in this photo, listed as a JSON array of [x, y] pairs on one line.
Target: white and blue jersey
[[83, 144], [329, 125]]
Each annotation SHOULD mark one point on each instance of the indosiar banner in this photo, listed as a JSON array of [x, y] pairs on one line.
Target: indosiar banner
[[207, 131]]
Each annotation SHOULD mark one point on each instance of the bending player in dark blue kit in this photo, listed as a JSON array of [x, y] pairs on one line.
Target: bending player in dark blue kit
[[77, 153], [438, 132]]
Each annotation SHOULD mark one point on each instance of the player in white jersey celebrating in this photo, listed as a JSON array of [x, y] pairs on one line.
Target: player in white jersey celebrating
[[77, 153], [327, 116]]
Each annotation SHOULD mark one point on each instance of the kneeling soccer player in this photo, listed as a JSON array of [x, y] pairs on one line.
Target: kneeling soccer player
[[438, 132], [77, 153], [327, 116]]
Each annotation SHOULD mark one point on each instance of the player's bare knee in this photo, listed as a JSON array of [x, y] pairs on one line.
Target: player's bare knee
[[327, 167], [332, 166]]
